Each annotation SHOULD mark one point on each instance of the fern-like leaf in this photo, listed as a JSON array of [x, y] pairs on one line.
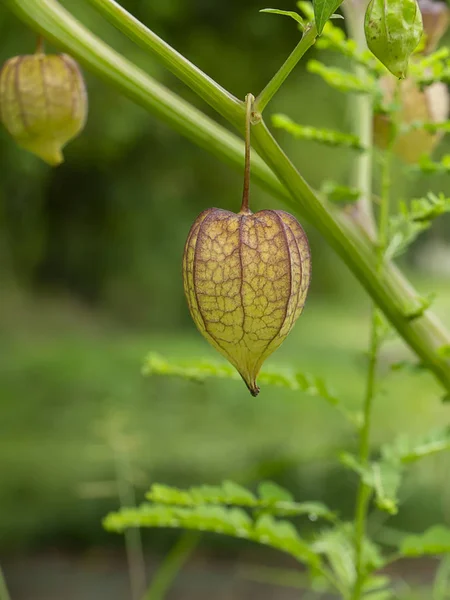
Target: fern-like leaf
[[435, 540], [344, 81], [430, 167], [412, 220], [271, 498], [384, 477], [406, 450], [328, 137], [234, 522], [340, 194]]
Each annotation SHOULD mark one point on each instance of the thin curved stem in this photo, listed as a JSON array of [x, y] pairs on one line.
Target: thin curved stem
[[172, 565], [308, 39], [390, 290], [40, 45]]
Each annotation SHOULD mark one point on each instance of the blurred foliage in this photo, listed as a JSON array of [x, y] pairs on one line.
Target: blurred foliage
[[90, 267]]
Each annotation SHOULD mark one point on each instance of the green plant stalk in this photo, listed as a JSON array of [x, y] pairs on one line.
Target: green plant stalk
[[362, 108], [171, 566], [364, 491], [393, 294], [442, 580], [308, 39], [4, 594], [133, 540]]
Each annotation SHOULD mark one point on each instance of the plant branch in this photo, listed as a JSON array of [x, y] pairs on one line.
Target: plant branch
[[390, 290], [308, 39], [172, 565], [362, 109]]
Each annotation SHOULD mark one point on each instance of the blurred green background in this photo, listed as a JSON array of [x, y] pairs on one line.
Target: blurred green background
[[90, 258]]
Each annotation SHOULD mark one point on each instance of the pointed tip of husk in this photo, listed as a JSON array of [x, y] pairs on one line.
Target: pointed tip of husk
[[49, 152], [251, 385]]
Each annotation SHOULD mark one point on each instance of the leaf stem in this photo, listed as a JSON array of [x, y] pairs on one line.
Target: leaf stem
[[308, 39], [40, 45], [172, 565], [127, 498], [249, 100]]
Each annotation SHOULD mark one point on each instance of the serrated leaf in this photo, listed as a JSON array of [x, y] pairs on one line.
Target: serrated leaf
[[285, 13], [340, 194], [328, 137], [201, 370], [234, 522], [323, 9], [384, 477], [271, 492], [435, 540], [406, 450], [412, 220], [344, 81], [426, 165], [236, 494], [272, 498], [337, 545]]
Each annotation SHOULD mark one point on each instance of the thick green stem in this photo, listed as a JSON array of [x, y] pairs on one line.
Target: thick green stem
[[389, 289], [308, 39], [362, 117]]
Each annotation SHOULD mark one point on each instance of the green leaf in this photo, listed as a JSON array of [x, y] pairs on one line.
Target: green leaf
[[202, 370], [271, 492], [328, 137], [234, 522], [337, 545], [435, 540], [341, 194], [412, 220], [306, 8], [272, 498], [407, 451], [344, 81], [285, 13], [323, 9], [384, 477], [426, 165]]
